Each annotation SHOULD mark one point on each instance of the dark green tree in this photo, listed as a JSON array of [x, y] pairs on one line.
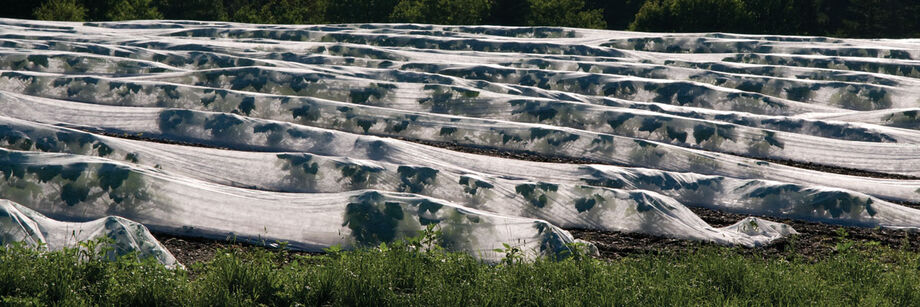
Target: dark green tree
[[509, 13], [97, 10], [63, 10], [844, 18], [692, 16], [454, 12], [20, 9], [132, 9], [567, 13], [193, 9], [880, 18], [360, 11], [617, 13], [278, 11]]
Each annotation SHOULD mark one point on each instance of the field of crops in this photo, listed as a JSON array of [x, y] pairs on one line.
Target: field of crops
[[356, 135]]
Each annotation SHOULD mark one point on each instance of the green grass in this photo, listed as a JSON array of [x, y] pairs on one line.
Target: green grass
[[404, 274]]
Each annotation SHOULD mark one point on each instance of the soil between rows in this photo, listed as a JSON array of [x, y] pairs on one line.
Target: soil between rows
[[197, 250]]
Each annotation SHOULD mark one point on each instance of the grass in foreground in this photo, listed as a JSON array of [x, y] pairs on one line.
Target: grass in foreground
[[404, 274]]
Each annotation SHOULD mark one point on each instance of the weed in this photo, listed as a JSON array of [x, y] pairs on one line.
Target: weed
[[418, 272]]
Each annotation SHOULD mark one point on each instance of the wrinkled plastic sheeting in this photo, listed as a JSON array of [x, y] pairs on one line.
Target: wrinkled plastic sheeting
[[299, 141], [21, 224]]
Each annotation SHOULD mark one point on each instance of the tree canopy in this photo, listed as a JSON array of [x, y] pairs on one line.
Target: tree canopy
[[846, 18]]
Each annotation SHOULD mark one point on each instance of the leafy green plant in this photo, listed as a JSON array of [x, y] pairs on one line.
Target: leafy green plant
[[513, 254], [579, 251], [100, 247], [844, 244], [398, 274]]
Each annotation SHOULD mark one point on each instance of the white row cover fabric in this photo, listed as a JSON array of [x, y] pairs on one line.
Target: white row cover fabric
[[21, 224], [310, 134]]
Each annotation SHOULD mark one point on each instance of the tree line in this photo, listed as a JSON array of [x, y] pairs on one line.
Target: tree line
[[845, 18]]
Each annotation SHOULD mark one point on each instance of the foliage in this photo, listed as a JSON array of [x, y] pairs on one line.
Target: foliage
[[568, 13], [876, 18], [63, 10], [509, 12], [196, 9], [691, 16], [357, 11], [617, 13], [845, 18], [133, 9], [457, 12], [278, 11], [848, 18], [418, 272], [79, 276]]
